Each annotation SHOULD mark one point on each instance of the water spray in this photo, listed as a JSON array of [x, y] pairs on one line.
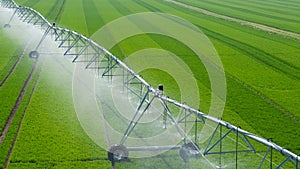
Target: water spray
[[35, 54], [7, 25]]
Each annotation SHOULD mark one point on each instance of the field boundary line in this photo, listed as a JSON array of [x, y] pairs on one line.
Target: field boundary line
[[269, 29]]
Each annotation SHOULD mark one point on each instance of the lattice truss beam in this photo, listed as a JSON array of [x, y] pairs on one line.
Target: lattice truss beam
[[94, 57], [8, 4]]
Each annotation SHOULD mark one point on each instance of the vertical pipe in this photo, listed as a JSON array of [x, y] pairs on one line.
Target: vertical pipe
[[185, 125], [187, 165], [110, 71], [43, 37], [271, 158], [141, 90], [236, 147], [220, 162], [127, 85], [123, 76], [297, 162], [11, 18], [161, 90], [196, 128], [98, 66]]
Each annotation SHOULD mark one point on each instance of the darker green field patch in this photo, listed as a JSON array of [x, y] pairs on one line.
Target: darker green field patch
[[268, 59], [147, 6], [93, 20]]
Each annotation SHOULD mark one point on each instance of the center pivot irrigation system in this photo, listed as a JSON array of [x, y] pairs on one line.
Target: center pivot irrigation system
[[95, 57]]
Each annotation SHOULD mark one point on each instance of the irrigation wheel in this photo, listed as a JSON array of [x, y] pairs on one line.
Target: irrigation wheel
[[6, 25], [189, 150], [117, 153], [34, 54]]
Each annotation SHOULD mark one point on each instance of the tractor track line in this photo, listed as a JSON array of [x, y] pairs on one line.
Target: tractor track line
[[52, 9], [265, 98], [253, 90], [13, 67], [24, 112], [270, 29], [147, 6], [261, 95], [58, 161], [60, 11], [17, 103]]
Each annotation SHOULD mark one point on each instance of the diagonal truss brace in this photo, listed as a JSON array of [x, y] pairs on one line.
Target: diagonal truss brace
[[295, 161], [168, 113], [44, 36], [209, 147], [111, 64], [265, 157], [13, 15], [137, 116]]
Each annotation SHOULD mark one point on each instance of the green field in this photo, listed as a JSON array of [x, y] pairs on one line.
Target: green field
[[262, 76], [284, 15]]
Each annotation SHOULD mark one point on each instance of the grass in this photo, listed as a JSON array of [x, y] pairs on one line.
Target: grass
[[262, 73], [9, 93], [49, 133], [8, 57], [74, 11], [244, 63]]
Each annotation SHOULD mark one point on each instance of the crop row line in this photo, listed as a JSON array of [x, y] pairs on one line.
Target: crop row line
[[60, 11], [17, 104], [24, 112], [14, 66], [276, 68], [254, 25], [59, 161]]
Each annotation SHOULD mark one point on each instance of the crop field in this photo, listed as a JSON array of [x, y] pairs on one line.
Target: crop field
[[257, 41]]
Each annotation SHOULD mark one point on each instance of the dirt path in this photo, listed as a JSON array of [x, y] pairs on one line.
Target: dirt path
[[13, 67], [254, 25], [17, 103]]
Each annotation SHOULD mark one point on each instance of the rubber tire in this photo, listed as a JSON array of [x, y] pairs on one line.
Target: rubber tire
[[117, 153], [34, 54], [6, 25]]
